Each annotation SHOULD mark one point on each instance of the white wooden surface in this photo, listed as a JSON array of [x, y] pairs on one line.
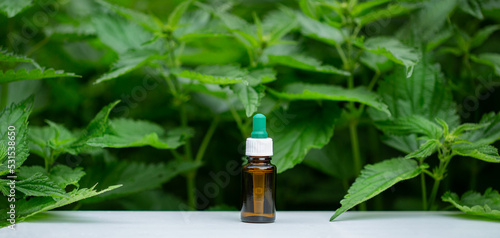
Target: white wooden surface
[[106, 224]]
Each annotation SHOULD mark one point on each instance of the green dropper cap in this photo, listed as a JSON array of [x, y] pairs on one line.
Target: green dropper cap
[[259, 126]]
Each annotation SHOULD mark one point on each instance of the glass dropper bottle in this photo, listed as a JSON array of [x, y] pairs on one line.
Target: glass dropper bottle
[[258, 176]]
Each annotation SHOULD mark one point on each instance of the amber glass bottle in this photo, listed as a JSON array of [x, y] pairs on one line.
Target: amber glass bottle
[[258, 190]]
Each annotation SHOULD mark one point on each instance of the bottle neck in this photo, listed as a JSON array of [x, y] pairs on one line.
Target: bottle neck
[[259, 159]]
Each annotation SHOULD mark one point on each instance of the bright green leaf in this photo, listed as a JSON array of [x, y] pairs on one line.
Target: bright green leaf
[[177, 13], [412, 124], [137, 133], [6, 56], [310, 126], [16, 117], [248, 97], [363, 7], [12, 8], [320, 31], [27, 208], [23, 74], [473, 203], [127, 62], [425, 150], [215, 74], [487, 134], [303, 91], [149, 22], [305, 63], [40, 185], [483, 152], [391, 11], [376, 178], [394, 50]]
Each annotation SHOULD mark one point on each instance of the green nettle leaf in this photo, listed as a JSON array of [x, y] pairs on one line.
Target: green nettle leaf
[[429, 21], [483, 152], [376, 178], [149, 22], [305, 63], [119, 34], [248, 96], [40, 185], [12, 8], [261, 76], [277, 24], [311, 126], [136, 133], [467, 127], [411, 124], [136, 176], [389, 12], [364, 7], [471, 7], [487, 134], [96, 128], [320, 31], [425, 150], [6, 56], [16, 117], [377, 63], [27, 208], [394, 50], [473, 203], [304, 91], [482, 35], [23, 74], [61, 175], [215, 74], [331, 159], [489, 59], [127, 62], [177, 13], [423, 94]]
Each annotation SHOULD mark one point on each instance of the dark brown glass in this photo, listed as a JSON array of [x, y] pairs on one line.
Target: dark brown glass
[[258, 190]]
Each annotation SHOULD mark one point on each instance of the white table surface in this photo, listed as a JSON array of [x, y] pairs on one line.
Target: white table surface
[[139, 224]]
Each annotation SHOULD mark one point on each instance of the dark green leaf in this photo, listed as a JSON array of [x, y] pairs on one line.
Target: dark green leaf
[[482, 35], [311, 126], [6, 56], [471, 7], [490, 59], [473, 203], [376, 178], [137, 176], [411, 124]]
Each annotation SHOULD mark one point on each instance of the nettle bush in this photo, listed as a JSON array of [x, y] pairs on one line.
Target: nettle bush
[[407, 87]]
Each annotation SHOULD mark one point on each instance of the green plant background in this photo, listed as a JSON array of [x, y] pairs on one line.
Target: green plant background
[[161, 93]]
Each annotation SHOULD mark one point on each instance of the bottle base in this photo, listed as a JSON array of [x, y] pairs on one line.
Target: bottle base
[[258, 219]]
